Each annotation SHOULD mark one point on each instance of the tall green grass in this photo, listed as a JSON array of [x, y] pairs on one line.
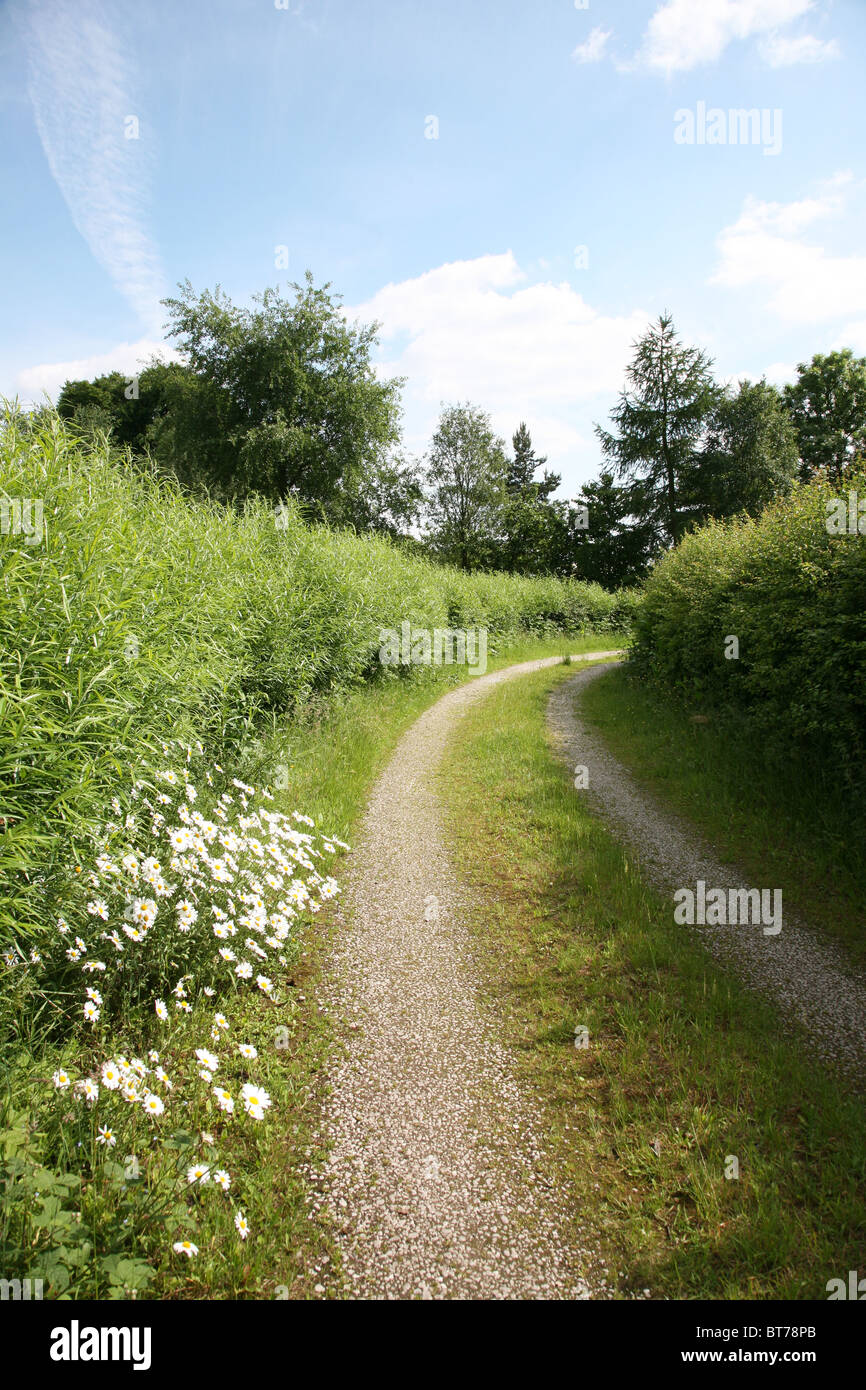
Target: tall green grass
[[140, 615]]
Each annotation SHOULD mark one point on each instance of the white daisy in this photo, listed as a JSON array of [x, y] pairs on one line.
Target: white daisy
[[111, 1075], [224, 1100]]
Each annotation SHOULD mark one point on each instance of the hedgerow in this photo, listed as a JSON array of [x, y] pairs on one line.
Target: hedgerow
[[793, 594]]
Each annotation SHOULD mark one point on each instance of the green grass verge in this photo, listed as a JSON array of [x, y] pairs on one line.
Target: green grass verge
[[788, 823], [684, 1068]]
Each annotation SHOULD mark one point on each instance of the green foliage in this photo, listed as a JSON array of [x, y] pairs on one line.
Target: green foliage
[[793, 595], [535, 529], [660, 419], [750, 454], [615, 547], [77, 1234], [127, 408], [300, 409], [827, 404], [141, 615], [466, 476]]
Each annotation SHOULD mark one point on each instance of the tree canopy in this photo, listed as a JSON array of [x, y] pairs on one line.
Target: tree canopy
[[827, 404], [282, 399]]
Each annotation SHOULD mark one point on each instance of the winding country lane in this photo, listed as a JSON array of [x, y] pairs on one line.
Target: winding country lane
[[436, 1173], [437, 1177]]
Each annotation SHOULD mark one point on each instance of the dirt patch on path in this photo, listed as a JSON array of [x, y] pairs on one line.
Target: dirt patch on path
[[437, 1176]]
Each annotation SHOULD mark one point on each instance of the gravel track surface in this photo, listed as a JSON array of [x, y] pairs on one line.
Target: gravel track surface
[[436, 1176], [803, 972]]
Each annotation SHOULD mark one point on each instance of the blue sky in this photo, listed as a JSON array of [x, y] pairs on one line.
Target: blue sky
[[309, 127]]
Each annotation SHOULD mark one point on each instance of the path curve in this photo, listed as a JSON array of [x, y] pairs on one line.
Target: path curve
[[436, 1171], [805, 973]]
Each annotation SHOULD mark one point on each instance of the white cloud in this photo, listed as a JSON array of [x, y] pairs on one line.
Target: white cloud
[[81, 87], [33, 383], [595, 47], [478, 330], [683, 34], [852, 336], [780, 373], [781, 52], [804, 283]]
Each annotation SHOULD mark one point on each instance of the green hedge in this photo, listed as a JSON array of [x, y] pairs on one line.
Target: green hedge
[[795, 597], [141, 616]]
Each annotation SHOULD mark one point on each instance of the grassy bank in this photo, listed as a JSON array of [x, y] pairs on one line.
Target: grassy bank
[[684, 1071]]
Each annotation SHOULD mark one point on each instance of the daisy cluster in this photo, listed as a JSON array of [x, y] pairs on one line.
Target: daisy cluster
[[221, 894]]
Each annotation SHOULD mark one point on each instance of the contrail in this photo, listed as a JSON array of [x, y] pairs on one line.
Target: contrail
[[81, 85]]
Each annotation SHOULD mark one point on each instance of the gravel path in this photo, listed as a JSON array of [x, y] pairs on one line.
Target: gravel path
[[437, 1176], [803, 972]]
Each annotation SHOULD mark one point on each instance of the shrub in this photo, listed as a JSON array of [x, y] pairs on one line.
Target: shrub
[[794, 595]]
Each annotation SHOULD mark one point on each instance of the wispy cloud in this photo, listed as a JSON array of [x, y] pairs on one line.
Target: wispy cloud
[[595, 47], [81, 84], [782, 52]]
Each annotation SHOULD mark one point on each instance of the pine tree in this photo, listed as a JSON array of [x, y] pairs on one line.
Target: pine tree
[[530, 522], [615, 548], [660, 420]]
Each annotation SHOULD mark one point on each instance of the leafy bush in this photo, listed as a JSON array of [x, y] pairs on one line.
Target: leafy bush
[[794, 595]]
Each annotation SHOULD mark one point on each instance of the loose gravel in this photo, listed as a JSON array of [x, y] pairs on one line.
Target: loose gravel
[[437, 1176], [805, 974]]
